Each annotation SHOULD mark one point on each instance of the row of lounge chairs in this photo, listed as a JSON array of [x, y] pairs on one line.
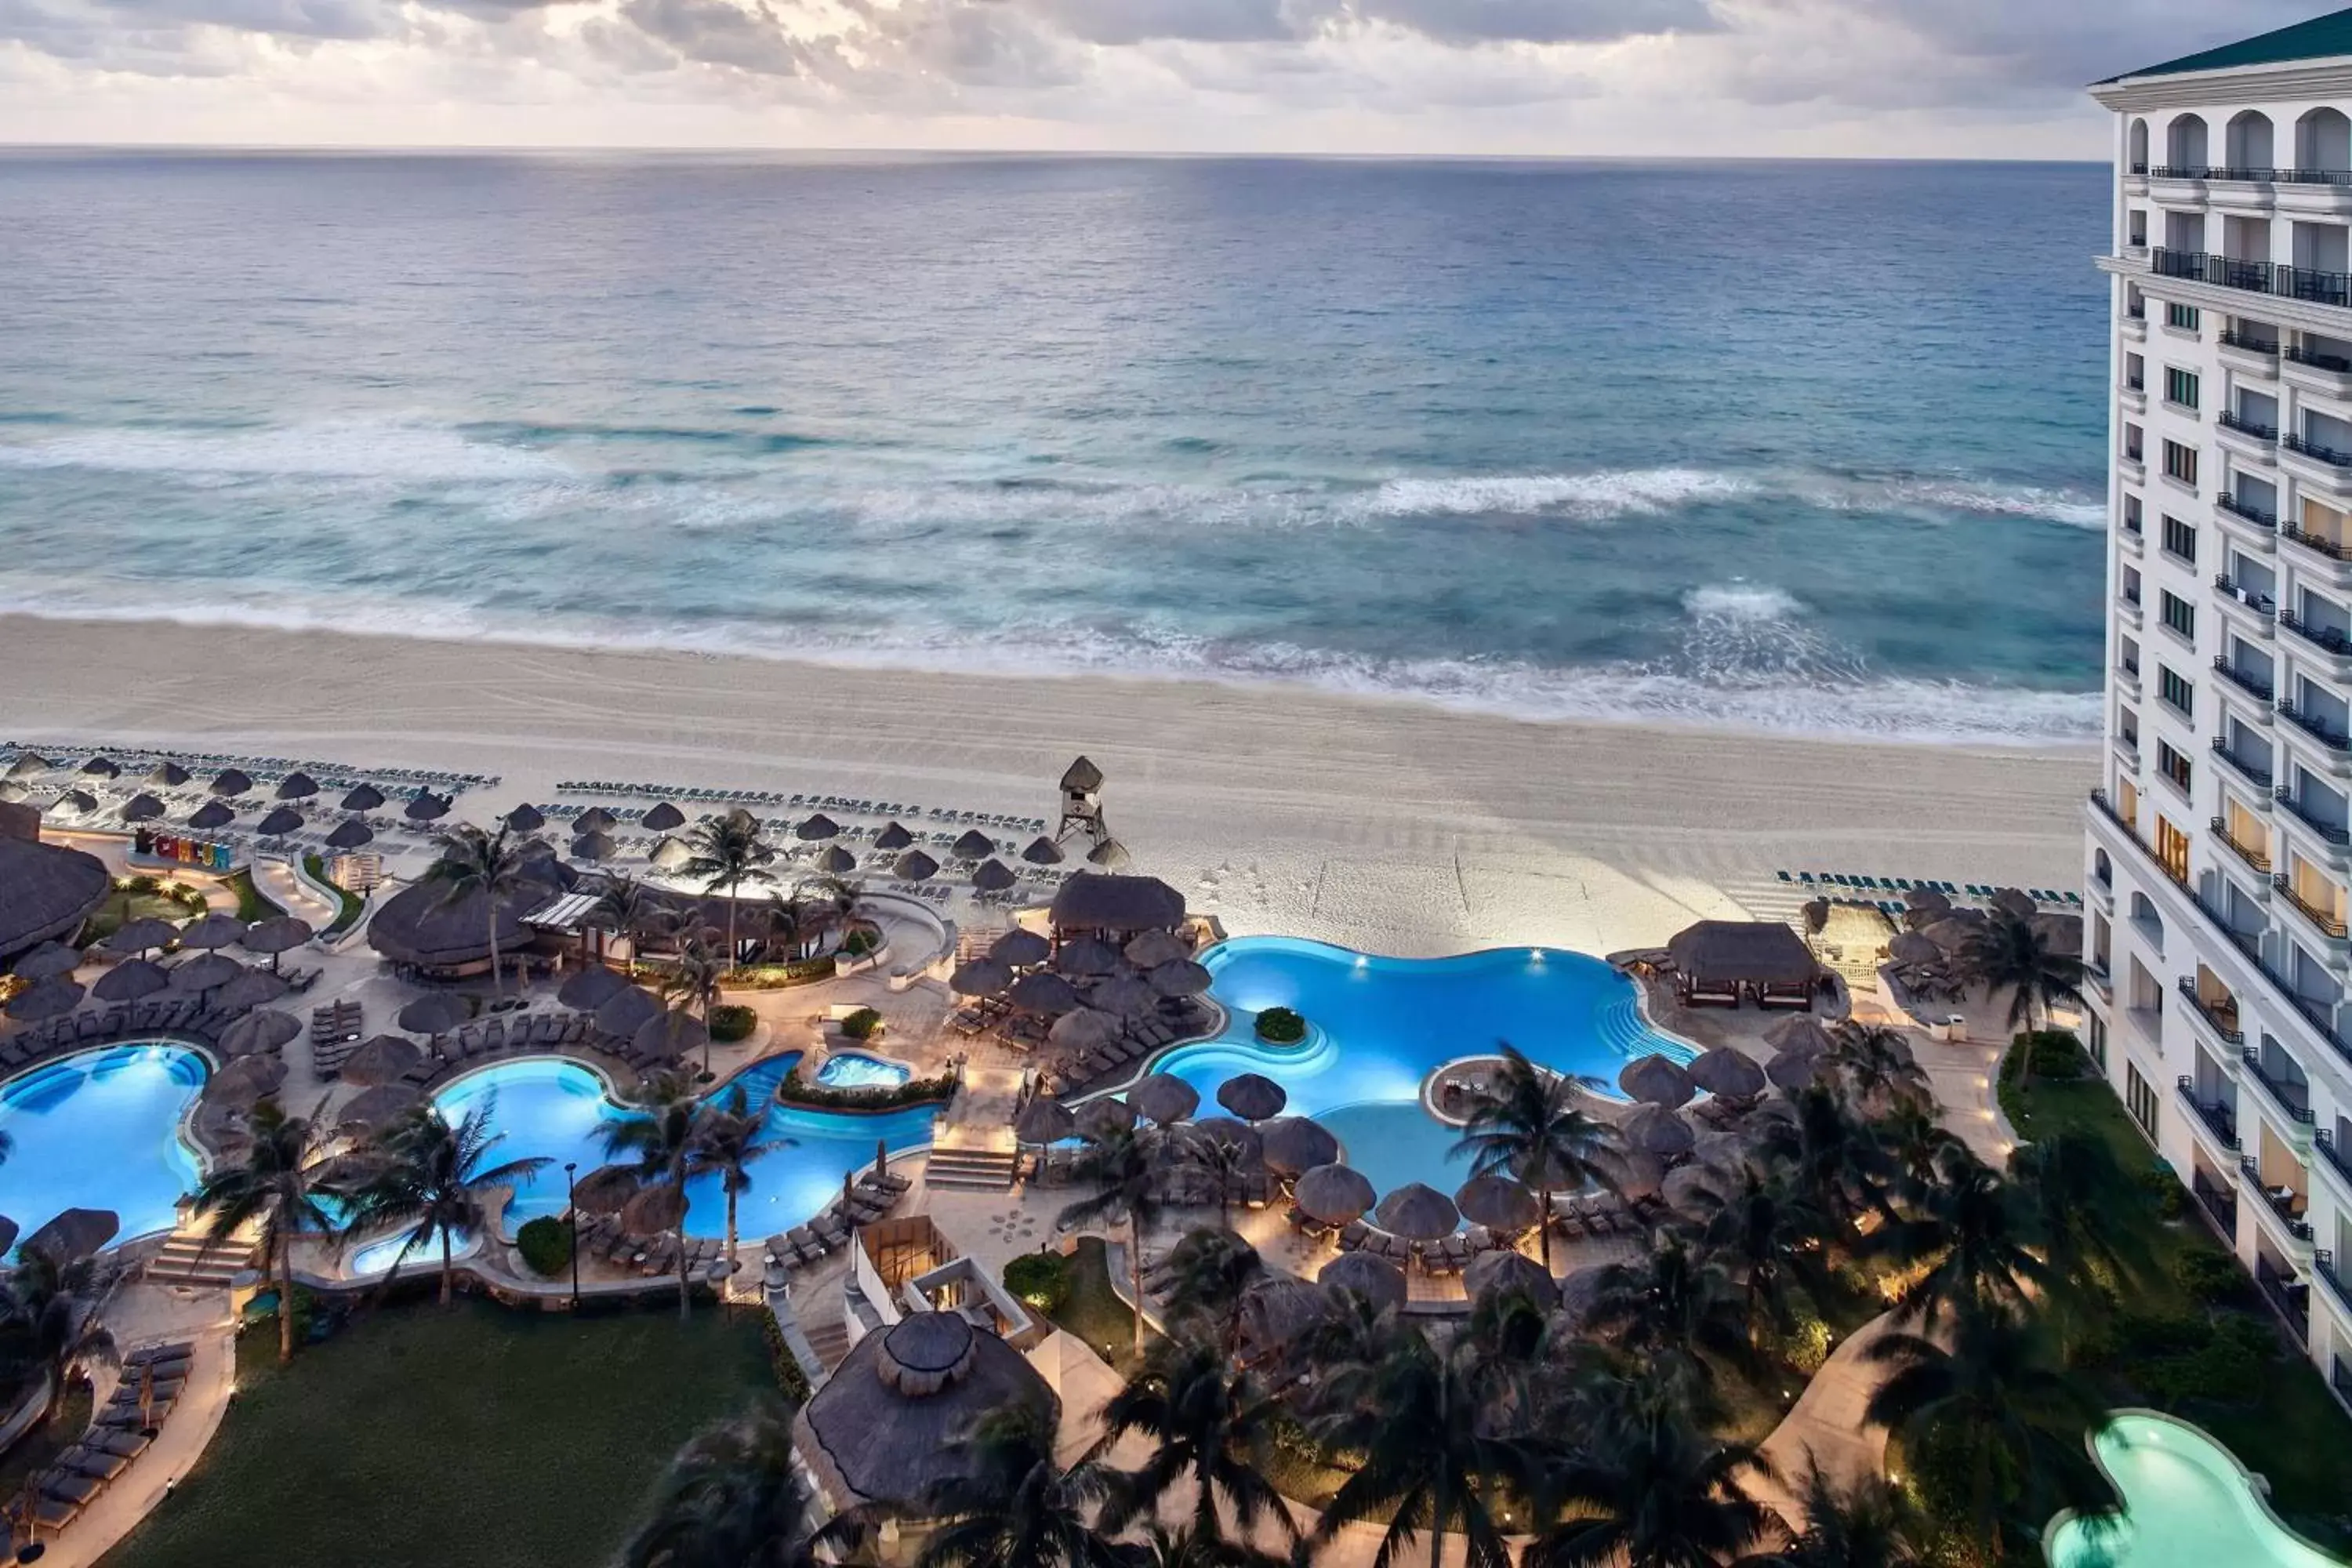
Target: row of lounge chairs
[[156, 1016], [336, 1023], [1601, 1215], [1855, 883], [331, 776], [778, 798], [601, 1236], [876, 1195], [118, 1433], [1447, 1255]]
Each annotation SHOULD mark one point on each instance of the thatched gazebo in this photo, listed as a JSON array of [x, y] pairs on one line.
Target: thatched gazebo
[[46, 890], [1378, 1281], [1505, 1273], [1720, 962], [890, 1426], [422, 926], [1115, 909], [1021, 948]]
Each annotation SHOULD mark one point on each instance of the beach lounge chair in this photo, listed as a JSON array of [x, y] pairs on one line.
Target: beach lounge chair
[[831, 1230], [123, 1443], [96, 1463], [1352, 1235], [804, 1241], [68, 1486]]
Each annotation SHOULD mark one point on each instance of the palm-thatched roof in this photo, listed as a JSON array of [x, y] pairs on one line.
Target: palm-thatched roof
[[1655, 1130], [1086, 955], [1505, 1273], [1100, 901], [1082, 776], [1376, 1279], [351, 834], [1044, 993], [972, 844], [893, 837], [980, 977], [385, 1058], [914, 866], [1020, 948], [890, 1426], [526, 818], [1417, 1211], [1294, 1145], [1152, 949], [75, 1234], [1333, 1194], [1042, 851], [421, 924], [362, 797], [50, 961], [130, 979], [46, 890], [1253, 1097], [1102, 1117], [433, 1014], [230, 782], [1044, 1120], [590, 988], [1800, 1034], [993, 877], [1163, 1097], [140, 808], [625, 1011], [1657, 1080], [817, 829], [297, 785], [212, 814], [1726, 1071], [1750, 953], [264, 1029], [1498, 1202]]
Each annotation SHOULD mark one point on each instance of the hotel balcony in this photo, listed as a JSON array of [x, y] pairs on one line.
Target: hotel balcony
[[2239, 275], [2322, 557], [2220, 1022], [2331, 839], [2132, 539], [2212, 1119], [2220, 1203], [2338, 1289], [2254, 686], [2247, 608], [2315, 921], [2321, 468], [2250, 356], [2313, 738], [2281, 1100], [2334, 1164], [2316, 372], [2256, 443], [2278, 1210], [2291, 1299], [2252, 773], [2254, 859], [2253, 524], [2328, 640]]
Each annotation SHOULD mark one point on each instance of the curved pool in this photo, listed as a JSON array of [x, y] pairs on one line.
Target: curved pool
[[2188, 1504], [556, 1108], [1377, 1027], [100, 1130], [855, 1069]]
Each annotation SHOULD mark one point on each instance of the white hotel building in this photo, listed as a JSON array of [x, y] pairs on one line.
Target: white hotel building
[[2220, 857]]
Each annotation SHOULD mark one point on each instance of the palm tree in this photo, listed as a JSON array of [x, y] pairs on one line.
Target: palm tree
[[628, 907], [473, 861], [1650, 1490], [728, 1141], [1834, 1159], [1209, 1275], [1188, 1547], [1220, 1158], [1530, 1125], [733, 1499], [1876, 1066], [838, 898], [1123, 1168], [694, 983], [273, 1187], [727, 850], [435, 1179], [658, 1147], [2004, 1418], [1414, 1424], [1915, 1141], [50, 1323], [1671, 1302], [1211, 1425], [789, 917], [1771, 1240], [1968, 1224], [2010, 953], [1015, 1507], [1871, 1524], [2063, 1185]]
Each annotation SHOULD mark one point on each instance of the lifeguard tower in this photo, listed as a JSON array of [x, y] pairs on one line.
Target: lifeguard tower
[[1082, 803]]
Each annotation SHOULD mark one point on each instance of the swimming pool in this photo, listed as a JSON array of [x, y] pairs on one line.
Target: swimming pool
[[556, 1108], [855, 1069], [2188, 1504], [1379, 1026], [425, 1261], [100, 1130]]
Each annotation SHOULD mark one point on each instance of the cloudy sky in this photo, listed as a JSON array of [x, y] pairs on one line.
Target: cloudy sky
[[1850, 78]]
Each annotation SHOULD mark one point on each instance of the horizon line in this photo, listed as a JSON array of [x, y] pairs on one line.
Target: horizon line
[[1040, 153]]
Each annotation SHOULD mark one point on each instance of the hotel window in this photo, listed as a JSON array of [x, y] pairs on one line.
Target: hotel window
[[2181, 316], [2139, 1100], [2173, 764], [2181, 694], [2323, 525], [2180, 463], [2179, 614], [2180, 538], [2131, 514], [2134, 373], [2135, 303], [2132, 445], [2138, 231], [2181, 387], [2094, 1037], [2171, 843]]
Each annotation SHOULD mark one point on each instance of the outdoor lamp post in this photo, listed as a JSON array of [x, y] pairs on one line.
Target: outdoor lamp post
[[573, 1209]]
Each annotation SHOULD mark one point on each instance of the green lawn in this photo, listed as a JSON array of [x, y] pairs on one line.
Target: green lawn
[[349, 904], [252, 903], [472, 1437], [2290, 1429], [122, 905], [1096, 1312]]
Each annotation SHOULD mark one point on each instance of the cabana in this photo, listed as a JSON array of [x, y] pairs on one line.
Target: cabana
[[1718, 962], [46, 890], [1114, 909]]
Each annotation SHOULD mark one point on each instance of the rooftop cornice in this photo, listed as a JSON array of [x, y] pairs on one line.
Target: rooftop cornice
[[2239, 84]]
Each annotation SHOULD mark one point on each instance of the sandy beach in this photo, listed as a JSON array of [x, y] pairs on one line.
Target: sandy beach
[[1385, 824]]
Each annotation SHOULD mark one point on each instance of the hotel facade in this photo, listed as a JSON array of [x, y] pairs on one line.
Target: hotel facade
[[2219, 860]]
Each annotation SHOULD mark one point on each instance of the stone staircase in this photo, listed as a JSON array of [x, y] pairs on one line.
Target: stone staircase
[[829, 1339], [971, 1170], [185, 1260]]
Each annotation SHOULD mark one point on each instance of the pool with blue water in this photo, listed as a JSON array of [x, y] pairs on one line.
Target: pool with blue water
[[855, 1069], [100, 1130], [2186, 1503], [1379, 1026], [556, 1108]]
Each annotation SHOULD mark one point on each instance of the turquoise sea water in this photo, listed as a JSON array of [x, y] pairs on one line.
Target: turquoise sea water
[[100, 1130], [553, 1108], [1761, 443], [1379, 1026]]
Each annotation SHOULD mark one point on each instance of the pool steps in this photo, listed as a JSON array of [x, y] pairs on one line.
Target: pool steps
[[185, 1260]]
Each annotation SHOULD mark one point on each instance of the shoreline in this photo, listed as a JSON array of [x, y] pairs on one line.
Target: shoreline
[[1388, 824]]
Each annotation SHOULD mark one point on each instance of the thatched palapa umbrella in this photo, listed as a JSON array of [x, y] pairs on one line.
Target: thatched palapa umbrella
[[604, 1189], [1732, 1074], [1417, 1211], [1021, 948], [362, 797], [74, 1235], [277, 936], [141, 808], [590, 988], [893, 837], [27, 764], [143, 935], [1791, 1071], [1655, 1080], [1912, 947], [1108, 856], [1181, 977], [434, 1014], [211, 815], [1162, 1098], [247, 1080], [980, 977], [836, 861], [817, 829], [1152, 949], [914, 866], [1294, 1145], [626, 1011], [249, 988], [1101, 1118], [264, 1029], [75, 800], [48, 999], [385, 1058], [1690, 1189], [595, 820], [426, 806], [1127, 994], [1253, 1097], [1241, 1136], [1043, 851], [1378, 1281], [380, 1106], [972, 844], [594, 847], [1656, 1130], [102, 768], [1498, 1202], [662, 817], [50, 961], [230, 782], [207, 971], [351, 834], [1508, 1273], [526, 818], [1332, 1195], [212, 931], [993, 877], [1044, 1120], [1800, 1034], [1045, 995], [297, 785], [168, 773], [669, 1033], [130, 979], [1082, 1029], [1084, 955]]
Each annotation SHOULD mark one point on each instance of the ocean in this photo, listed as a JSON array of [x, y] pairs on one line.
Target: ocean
[[1811, 447]]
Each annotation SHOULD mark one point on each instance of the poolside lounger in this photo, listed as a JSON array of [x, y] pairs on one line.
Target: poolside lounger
[[55, 1513], [96, 1463], [831, 1230], [69, 1486], [805, 1242], [124, 1444]]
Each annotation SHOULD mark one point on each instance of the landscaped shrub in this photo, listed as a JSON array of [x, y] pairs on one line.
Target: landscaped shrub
[[2052, 1053], [731, 1021], [2207, 1273], [545, 1243], [2227, 1367], [1281, 1027], [2170, 1197], [798, 1090], [859, 943], [789, 1375], [1040, 1281], [1806, 1343], [862, 1025]]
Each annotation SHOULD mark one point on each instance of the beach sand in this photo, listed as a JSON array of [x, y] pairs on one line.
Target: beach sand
[[1389, 826]]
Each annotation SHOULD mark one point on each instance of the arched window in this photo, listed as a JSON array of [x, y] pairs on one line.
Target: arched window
[[2249, 144], [2323, 143], [2144, 916], [2184, 143], [2102, 868], [2137, 155]]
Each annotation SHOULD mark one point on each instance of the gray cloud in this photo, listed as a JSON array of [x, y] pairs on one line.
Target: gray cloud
[[1542, 21], [1120, 22], [713, 32]]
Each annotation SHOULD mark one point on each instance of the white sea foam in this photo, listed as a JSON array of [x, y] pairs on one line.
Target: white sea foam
[[1741, 602], [1610, 493], [397, 451]]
